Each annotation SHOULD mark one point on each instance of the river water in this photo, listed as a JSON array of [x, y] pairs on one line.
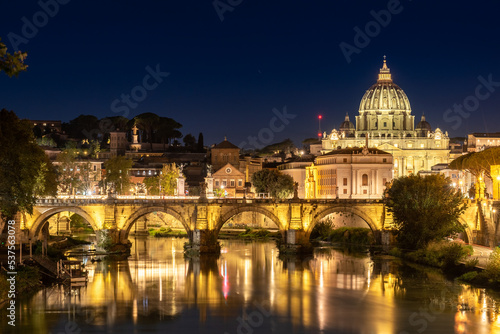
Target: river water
[[248, 289]]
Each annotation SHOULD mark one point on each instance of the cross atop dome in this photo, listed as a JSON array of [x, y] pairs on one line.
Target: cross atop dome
[[385, 73]]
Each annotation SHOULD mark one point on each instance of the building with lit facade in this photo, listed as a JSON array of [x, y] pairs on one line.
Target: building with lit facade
[[477, 142], [297, 170], [385, 119], [349, 173], [230, 180]]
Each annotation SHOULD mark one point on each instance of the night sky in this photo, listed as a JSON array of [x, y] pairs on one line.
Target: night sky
[[226, 76]]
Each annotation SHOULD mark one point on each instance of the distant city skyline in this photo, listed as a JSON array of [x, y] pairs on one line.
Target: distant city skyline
[[255, 72]]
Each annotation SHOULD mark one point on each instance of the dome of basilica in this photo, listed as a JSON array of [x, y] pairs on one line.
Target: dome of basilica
[[385, 97], [347, 125], [423, 125]]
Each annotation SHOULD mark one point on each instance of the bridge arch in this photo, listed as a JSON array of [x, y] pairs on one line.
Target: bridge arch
[[343, 209], [41, 220], [468, 230], [144, 211], [249, 208]]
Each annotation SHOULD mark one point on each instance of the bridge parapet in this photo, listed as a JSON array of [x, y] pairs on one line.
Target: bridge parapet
[[210, 214]]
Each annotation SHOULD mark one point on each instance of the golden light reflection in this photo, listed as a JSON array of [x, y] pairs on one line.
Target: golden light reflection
[[316, 294]]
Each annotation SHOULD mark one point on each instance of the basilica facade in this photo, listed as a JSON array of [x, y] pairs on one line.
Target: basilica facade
[[385, 122]]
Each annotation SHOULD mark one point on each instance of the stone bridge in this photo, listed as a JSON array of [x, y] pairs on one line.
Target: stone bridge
[[203, 218]]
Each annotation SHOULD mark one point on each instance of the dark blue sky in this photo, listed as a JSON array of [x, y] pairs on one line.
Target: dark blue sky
[[227, 76]]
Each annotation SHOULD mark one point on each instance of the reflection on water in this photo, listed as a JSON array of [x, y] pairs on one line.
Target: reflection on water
[[248, 289]]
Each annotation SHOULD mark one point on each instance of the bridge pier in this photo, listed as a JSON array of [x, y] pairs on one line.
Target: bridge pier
[[203, 242], [296, 242], [113, 240]]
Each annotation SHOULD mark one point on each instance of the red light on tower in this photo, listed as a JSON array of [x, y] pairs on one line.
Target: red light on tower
[[319, 125]]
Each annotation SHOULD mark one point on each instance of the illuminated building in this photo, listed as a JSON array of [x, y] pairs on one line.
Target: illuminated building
[[480, 141], [349, 173], [385, 120], [230, 180]]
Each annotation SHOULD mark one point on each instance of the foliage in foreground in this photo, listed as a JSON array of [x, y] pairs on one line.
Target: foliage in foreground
[[424, 209], [26, 172], [12, 63], [489, 277], [441, 254], [27, 279]]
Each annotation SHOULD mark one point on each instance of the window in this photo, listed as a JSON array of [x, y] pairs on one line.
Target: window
[[364, 180], [385, 124], [345, 160], [95, 168], [345, 181], [240, 183], [384, 160], [224, 183], [345, 191], [232, 183], [217, 183]]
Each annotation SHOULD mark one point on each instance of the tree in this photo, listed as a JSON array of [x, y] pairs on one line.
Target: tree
[[152, 184], [285, 146], [189, 141], [168, 130], [424, 209], [82, 127], [87, 177], [277, 184], [478, 163], [25, 170], [68, 178], [149, 123], [201, 145], [12, 64], [95, 148], [117, 173], [168, 179]]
